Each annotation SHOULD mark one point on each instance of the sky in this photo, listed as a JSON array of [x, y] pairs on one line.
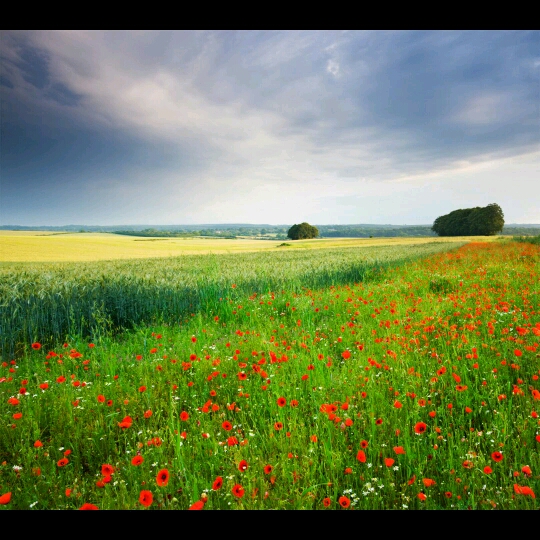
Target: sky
[[267, 127]]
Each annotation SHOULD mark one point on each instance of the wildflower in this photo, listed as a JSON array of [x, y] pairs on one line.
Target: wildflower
[[36, 346], [137, 460], [524, 490], [38, 444], [148, 414], [361, 456], [364, 444], [44, 386], [62, 462], [88, 506], [420, 427], [327, 502], [238, 491], [142, 388], [162, 478], [227, 426], [243, 465], [278, 426], [398, 404], [218, 482], [488, 470], [107, 469], [146, 498], [101, 398], [422, 496], [526, 470], [344, 502], [389, 462], [268, 469], [399, 450], [281, 402], [496, 456], [232, 441], [126, 422], [184, 416], [17, 416], [199, 505], [5, 498], [428, 482]]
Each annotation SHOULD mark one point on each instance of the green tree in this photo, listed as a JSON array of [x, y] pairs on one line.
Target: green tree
[[485, 221], [302, 231]]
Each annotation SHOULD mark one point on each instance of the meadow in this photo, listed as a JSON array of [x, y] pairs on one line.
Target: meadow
[[376, 377]]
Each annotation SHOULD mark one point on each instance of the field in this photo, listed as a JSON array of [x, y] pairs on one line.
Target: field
[[39, 246], [397, 375]]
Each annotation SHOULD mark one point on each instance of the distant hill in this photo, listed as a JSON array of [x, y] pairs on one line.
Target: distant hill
[[265, 231]]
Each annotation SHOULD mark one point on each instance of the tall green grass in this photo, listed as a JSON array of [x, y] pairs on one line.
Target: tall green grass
[[418, 391], [55, 301]]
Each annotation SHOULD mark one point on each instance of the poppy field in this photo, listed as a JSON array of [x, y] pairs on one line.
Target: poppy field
[[333, 383]]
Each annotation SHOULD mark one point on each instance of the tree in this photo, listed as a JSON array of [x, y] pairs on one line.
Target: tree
[[302, 231], [475, 221]]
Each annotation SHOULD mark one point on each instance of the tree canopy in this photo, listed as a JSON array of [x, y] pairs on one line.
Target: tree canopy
[[302, 231], [477, 221]]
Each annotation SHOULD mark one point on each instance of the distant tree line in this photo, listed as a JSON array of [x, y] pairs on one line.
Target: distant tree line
[[477, 221]]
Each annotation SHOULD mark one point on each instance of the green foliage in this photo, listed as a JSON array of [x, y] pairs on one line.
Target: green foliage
[[478, 221], [302, 231]]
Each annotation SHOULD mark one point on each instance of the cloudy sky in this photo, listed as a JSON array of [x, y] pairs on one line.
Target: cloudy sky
[[273, 127]]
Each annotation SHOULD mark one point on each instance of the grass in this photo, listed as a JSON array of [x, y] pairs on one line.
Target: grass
[[415, 391]]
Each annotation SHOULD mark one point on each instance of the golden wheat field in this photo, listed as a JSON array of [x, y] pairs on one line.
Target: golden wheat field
[[42, 246]]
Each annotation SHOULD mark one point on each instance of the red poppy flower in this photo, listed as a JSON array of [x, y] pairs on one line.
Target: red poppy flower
[[88, 506], [497, 456], [364, 444], [467, 464], [268, 469], [146, 498], [62, 462], [5, 498], [199, 505], [44, 386], [399, 450], [142, 388], [422, 496], [101, 398], [344, 502], [126, 422], [227, 426], [398, 404], [327, 502], [232, 441], [162, 478], [137, 460], [488, 470], [184, 416], [526, 470], [379, 421], [36, 346], [420, 427], [524, 490], [278, 426], [293, 403], [361, 456], [448, 494], [107, 469], [389, 462], [428, 482], [238, 491], [17, 416], [38, 444], [281, 402], [218, 482]]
